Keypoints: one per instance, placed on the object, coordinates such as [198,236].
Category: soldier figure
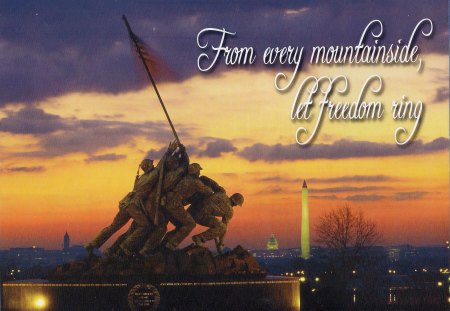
[177,167]
[131,207]
[186,188]
[206,209]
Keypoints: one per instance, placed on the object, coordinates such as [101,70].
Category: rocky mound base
[192,261]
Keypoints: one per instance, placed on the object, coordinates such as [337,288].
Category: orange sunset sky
[68,156]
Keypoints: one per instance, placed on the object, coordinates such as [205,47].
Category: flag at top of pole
[149,64]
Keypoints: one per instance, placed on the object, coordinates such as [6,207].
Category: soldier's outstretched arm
[170,150]
[202,188]
[212,184]
[161,162]
[226,220]
[227,217]
[184,162]
[173,145]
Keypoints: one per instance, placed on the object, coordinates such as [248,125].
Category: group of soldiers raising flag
[160,195]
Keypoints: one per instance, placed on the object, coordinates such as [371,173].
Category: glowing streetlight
[40,302]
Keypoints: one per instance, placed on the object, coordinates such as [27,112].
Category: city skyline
[272,244]
[75,121]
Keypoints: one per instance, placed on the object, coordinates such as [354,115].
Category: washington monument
[305,222]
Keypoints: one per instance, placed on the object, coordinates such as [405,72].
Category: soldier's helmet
[237,199]
[194,169]
[146,165]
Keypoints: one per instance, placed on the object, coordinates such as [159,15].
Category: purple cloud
[277,179]
[59,136]
[338,150]
[346,189]
[365,197]
[354,178]
[25,169]
[216,148]
[324,197]
[272,190]
[399,196]
[409,196]
[31,121]
[105,157]
[441,95]
[48,49]
[340,179]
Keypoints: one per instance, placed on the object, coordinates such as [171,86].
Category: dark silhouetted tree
[349,236]
[347,233]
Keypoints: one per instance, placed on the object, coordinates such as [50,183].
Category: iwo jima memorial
[144,269]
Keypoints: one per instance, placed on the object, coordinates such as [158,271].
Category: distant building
[272,243]
[410,251]
[27,252]
[66,242]
[402,252]
[266,254]
[394,254]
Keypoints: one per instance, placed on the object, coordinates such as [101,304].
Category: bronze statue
[185,188]
[132,207]
[144,242]
[204,210]
[177,167]
[159,197]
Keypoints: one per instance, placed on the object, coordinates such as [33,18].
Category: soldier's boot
[198,240]
[154,239]
[187,224]
[170,246]
[144,253]
[118,254]
[168,237]
[219,246]
[110,252]
[115,247]
[125,251]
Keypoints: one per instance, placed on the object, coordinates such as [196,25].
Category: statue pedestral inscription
[143,297]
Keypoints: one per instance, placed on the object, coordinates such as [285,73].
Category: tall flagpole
[161,173]
[134,39]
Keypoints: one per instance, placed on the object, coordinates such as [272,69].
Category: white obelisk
[305,223]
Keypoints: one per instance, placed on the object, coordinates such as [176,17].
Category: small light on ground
[40,302]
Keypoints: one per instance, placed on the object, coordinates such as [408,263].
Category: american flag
[156,65]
